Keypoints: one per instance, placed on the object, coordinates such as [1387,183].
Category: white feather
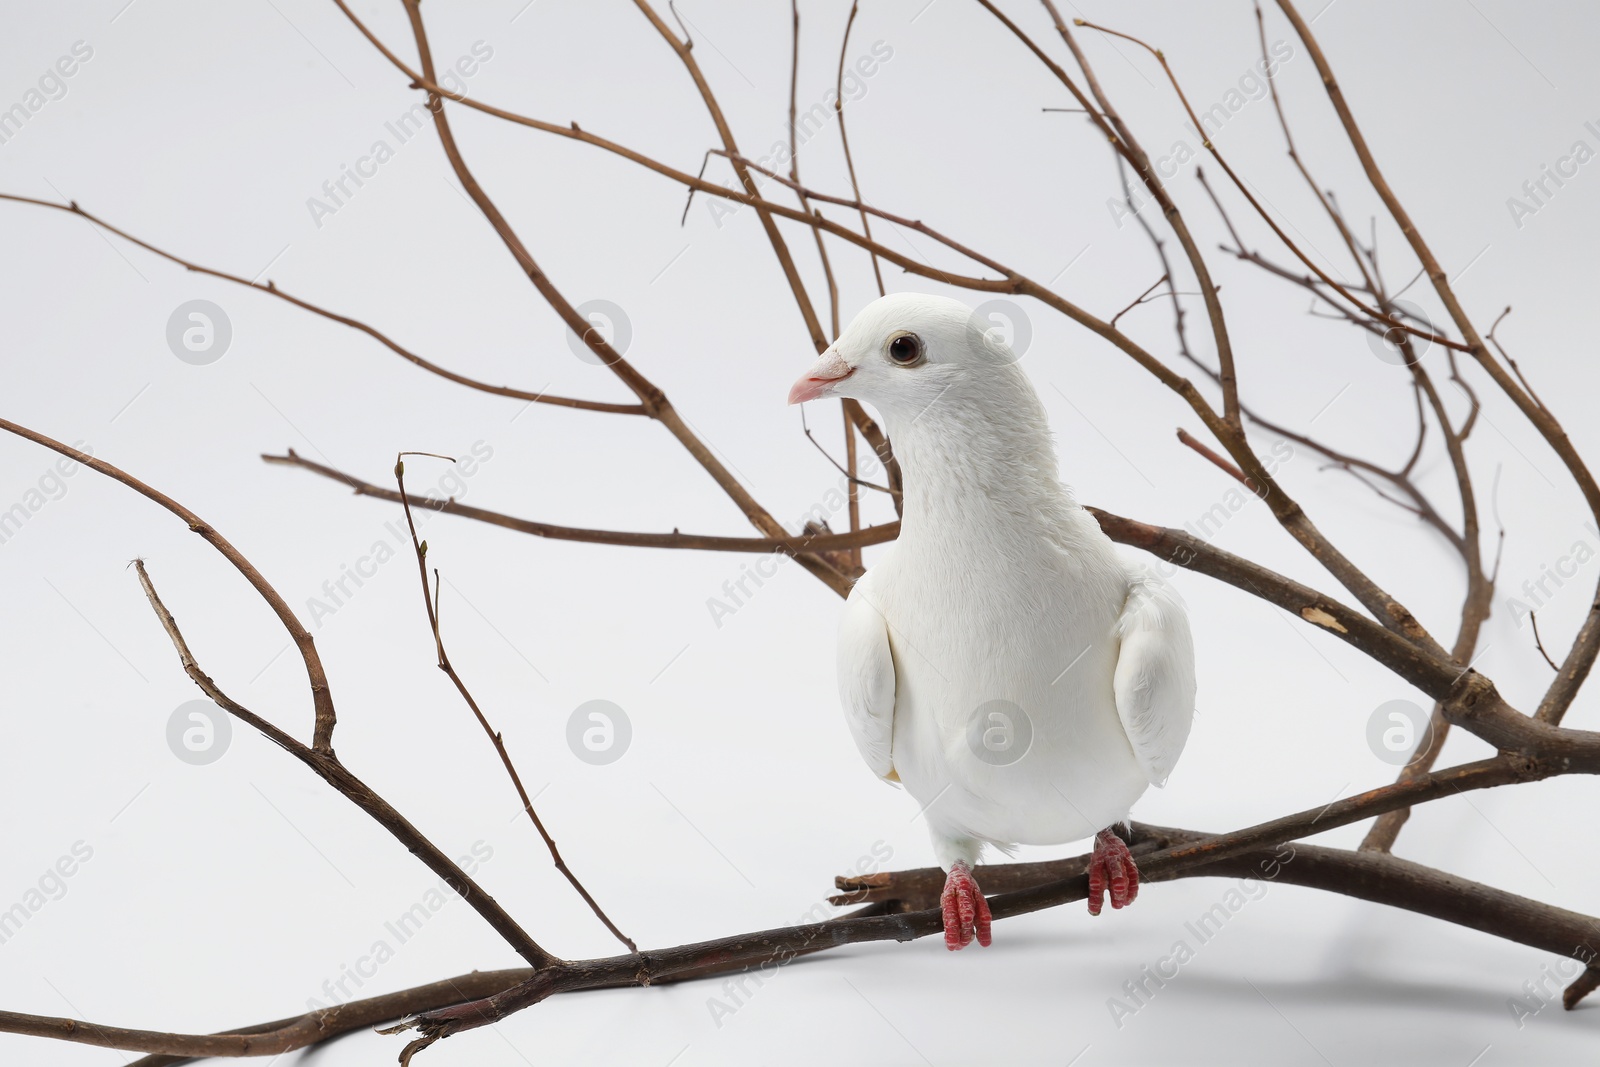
[1155,673]
[866,680]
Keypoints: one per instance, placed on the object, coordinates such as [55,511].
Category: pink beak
[818,381]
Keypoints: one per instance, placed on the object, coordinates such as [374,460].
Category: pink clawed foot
[966,913]
[1111,866]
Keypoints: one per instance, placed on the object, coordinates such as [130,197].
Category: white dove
[1001,660]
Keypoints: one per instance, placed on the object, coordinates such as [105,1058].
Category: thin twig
[1580,659]
[321,698]
[1498,347]
[854,482]
[1222,464]
[780,248]
[653,399]
[1260,210]
[430,603]
[270,288]
[793,545]
[321,760]
[844,142]
[1533,617]
[1139,299]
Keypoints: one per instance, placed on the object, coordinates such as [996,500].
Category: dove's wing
[866,680]
[1154,681]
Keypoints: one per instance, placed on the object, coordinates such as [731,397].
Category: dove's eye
[906,350]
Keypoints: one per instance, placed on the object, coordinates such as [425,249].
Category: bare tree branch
[1580,659]
[271,289]
[321,698]
[320,760]
[430,603]
[792,545]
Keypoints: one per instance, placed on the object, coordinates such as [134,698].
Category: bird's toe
[1111,869]
[966,913]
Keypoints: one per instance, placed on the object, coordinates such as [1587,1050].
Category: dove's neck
[979,479]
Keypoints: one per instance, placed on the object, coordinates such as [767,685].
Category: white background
[227,894]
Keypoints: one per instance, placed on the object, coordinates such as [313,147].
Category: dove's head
[959,410]
[910,355]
